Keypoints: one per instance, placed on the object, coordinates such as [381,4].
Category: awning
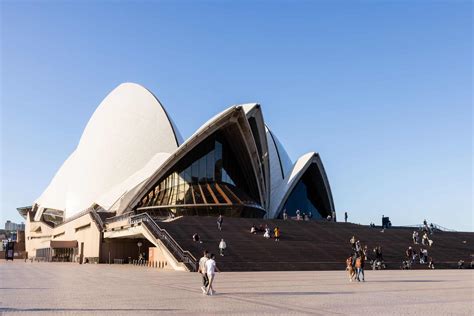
[63,244]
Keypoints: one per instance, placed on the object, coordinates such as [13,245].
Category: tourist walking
[266,234]
[425,240]
[345,217]
[431,263]
[350,268]
[409,253]
[425,255]
[211,270]
[222,247]
[359,264]
[422,256]
[203,271]
[365,252]
[220,220]
[415,237]
[196,238]
[276,232]
[353,241]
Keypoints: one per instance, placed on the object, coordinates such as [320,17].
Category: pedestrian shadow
[13,309]
[24,288]
[284,293]
[406,281]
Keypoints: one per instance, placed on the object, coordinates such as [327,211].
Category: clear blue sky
[382,90]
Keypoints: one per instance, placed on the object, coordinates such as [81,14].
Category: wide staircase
[307,245]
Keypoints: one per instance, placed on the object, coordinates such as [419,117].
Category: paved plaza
[65,288]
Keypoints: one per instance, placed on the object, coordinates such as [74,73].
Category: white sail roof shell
[282,187]
[126,131]
[280,166]
[121,193]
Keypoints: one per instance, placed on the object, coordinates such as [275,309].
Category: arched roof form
[232,115]
[122,193]
[55,194]
[283,191]
[126,131]
[280,165]
[254,114]
[279,158]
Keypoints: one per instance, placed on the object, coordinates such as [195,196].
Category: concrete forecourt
[90,289]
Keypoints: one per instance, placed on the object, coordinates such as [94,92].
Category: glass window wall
[194,179]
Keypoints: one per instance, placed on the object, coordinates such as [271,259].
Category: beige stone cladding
[37,236]
[82,229]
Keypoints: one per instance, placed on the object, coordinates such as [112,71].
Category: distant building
[9,225]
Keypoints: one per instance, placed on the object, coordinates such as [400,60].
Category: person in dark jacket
[220,220]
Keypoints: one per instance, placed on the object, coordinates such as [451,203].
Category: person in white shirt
[415,237]
[222,247]
[211,270]
[267,233]
[253,229]
[203,271]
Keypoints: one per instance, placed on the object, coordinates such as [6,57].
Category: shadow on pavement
[7,309]
[283,293]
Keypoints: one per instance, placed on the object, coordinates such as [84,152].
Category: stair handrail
[185,256]
[435,226]
[118,218]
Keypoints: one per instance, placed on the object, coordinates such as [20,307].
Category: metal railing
[118,218]
[435,226]
[182,255]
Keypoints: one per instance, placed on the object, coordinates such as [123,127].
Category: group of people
[428,229]
[207,263]
[411,255]
[208,268]
[266,231]
[425,240]
[300,216]
[222,243]
[355,264]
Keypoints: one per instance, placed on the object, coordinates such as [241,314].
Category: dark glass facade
[308,196]
[208,180]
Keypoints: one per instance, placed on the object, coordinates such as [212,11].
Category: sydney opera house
[132,165]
